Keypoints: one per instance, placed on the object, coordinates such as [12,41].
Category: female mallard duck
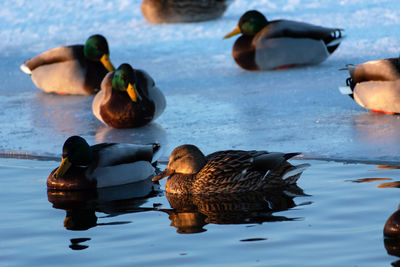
[74,69]
[375,85]
[277,44]
[176,11]
[101,165]
[229,171]
[128,98]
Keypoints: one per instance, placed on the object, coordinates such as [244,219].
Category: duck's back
[176,11]
[229,171]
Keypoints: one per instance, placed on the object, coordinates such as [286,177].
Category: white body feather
[379,89]
[275,48]
[122,174]
[278,52]
[108,173]
[57,70]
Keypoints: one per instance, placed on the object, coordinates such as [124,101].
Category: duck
[178,11]
[280,44]
[85,167]
[189,171]
[73,69]
[375,85]
[128,98]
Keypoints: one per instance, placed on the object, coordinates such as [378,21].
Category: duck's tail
[293,174]
[333,42]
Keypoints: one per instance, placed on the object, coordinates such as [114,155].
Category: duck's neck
[244,53]
[180,183]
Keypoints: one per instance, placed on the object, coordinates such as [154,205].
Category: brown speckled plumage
[176,11]
[230,171]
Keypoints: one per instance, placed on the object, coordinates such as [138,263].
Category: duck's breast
[278,52]
[378,95]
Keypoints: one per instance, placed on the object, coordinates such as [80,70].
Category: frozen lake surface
[211,101]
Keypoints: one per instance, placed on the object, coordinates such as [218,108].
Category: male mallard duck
[128,98]
[375,85]
[74,69]
[176,11]
[229,171]
[266,45]
[101,165]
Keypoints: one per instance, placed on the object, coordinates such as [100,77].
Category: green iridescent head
[124,79]
[96,49]
[252,22]
[76,152]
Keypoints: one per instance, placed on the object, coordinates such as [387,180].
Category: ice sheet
[211,102]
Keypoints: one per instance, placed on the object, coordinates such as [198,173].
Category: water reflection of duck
[81,206]
[230,171]
[190,213]
[176,11]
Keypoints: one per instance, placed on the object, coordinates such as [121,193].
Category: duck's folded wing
[295,29]
[109,154]
[377,70]
[54,55]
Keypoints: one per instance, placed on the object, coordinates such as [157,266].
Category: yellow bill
[236,31]
[133,93]
[64,166]
[105,59]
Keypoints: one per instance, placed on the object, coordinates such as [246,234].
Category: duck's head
[250,23]
[185,159]
[124,79]
[96,49]
[76,152]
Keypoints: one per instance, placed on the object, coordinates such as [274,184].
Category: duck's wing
[54,55]
[296,29]
[236,171]
[148,86]
[111,154]
[118,164]
[377,70]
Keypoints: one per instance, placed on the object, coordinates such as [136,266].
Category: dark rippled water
[338,221]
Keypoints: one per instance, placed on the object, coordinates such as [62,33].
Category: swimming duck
[375,85]
[74,69]
[229,171]
[277,44]
[101,165]
[128,98]
[176,11]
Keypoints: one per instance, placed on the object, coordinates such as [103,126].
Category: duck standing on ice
[277,44]
[74,69]
[128,98]
[375,85]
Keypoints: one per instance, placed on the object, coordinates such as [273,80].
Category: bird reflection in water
[394,184]
[81,206]
[190,213]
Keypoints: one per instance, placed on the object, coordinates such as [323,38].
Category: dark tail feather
[291,155]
